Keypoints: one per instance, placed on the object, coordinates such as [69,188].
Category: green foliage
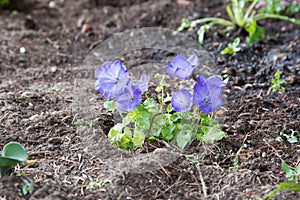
[242,14]
[276,7]
[155,121]
[278,82]
[291,174]
[290,138]
[110,105]
[12,154]
[93,185]
[4,2]
[26,187]
[283,186]
[232,48]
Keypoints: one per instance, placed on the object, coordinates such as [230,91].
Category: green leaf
[185,23]
[184,136]
[169,108]
[16,151]
[255,32]
[201,32]
[283,186]
[286,168]
[110,105]
[12,154]
[168,131]
[138,138]
[213,133]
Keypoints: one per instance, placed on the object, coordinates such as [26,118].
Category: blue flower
[112,78]
[182,67]
[130,98]
[182,101]
[142,83]
[208,93]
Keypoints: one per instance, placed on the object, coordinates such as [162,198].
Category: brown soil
[36,93]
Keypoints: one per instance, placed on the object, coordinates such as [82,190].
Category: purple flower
[297,1]
[208,93]
[112,78]
[130,98]
[182,101]
[261,4]
[142,83]
[182,67]
[285,3]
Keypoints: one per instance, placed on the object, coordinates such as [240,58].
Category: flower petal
[182,101]
[194,60]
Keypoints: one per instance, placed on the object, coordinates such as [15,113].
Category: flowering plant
[178,118]
[279,6]
[243,14]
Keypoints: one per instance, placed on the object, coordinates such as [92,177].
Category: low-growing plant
[232,48]
[12,154]
[4,2]
[26,186]
[93,185]
[178,118]
[287,7]
[292,175]
[244,14]
[278,82]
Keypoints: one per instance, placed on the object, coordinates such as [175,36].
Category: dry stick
[202,182]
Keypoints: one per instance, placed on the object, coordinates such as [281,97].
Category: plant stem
[217,20]
[275,16]
[151,124]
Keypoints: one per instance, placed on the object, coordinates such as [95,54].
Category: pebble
[22,50]
[86,28]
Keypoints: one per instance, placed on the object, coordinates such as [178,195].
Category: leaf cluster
[242,14]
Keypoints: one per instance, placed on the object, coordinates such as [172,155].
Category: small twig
[151,124]
[202,182]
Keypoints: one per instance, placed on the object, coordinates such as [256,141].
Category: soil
[36,95]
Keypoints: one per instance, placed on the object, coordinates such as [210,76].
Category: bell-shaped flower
[112,78]
[182,67]
[142,83]
[182,101]
[208,93]
[130,98]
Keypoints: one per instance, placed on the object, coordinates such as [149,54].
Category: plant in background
[243,14]
[176,119]
[12,154]
[278,82]
[232,48]
[292,175]
[287,7]
[4,2]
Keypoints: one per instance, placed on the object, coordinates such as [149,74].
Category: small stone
[22,50]
[52,4]
[86,28]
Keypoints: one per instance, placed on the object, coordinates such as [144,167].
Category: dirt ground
[36,95]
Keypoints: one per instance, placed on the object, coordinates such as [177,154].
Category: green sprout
[100,183]
[242,14]
[232,48]
[26,187]
[278,82]
[292,175]
[12,154]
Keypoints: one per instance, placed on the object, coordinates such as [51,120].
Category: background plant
[278,82]
[12,154]
[286,7]
[243,14]
[232,48]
